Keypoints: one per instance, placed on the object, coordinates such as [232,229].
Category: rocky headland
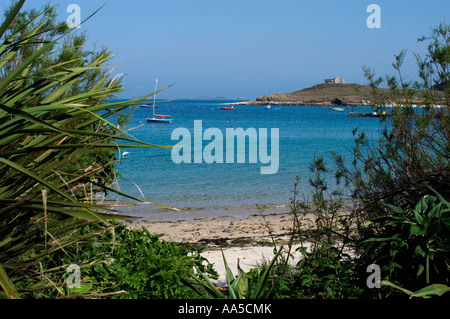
[325,94]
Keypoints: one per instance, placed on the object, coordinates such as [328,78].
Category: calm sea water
[304,132]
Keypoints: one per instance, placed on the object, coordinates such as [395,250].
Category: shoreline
[225,231]
[192,214]
[299,103]
[245,242]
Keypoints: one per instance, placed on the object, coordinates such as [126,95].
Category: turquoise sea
[208,190]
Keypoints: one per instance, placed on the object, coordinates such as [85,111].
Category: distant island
[210,98]
[218,98]
[325,94]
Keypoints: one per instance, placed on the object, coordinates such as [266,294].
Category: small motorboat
[227,107]
[159,120]
[269,107]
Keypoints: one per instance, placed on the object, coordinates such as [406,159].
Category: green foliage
[412,248]
[426,292]
[325,269]
[323,274]
[49,129]
[117,262]
[71,51]
[147,267]
[255,284]
[414,245]
[413,148]
[399,224]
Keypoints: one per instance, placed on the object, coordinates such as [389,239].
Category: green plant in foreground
[252,285]
[120,262]
[413,146]
[325,270]
[128,263]
[147,267]
[426,292]
[414,244]
[46,127]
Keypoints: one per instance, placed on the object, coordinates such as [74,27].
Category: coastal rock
[334,94]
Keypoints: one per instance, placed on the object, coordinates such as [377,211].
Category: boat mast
[154,97]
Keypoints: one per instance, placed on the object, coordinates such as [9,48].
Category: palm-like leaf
[239,287]
[44,130]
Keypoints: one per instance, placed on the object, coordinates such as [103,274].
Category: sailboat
[157,118]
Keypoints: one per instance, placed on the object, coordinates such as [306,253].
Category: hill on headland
[325,94]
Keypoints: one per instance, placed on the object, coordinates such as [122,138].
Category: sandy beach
[222,231]
[248,240]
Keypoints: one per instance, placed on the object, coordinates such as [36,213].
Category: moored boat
[158,118]
[270,107]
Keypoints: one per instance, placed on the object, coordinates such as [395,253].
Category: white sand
[248,240]
[248,258]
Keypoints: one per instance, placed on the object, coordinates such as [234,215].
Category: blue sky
[248,48]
